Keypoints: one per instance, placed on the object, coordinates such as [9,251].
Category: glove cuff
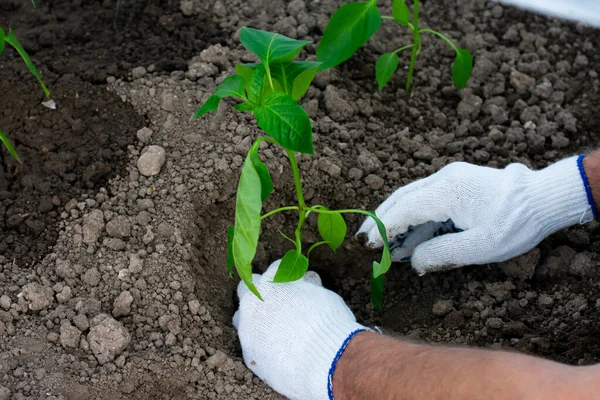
[561,196]
[325,355]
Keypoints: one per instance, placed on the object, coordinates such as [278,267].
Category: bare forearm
[378,367]
[591,165]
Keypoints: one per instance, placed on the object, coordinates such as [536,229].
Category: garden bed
[97,237]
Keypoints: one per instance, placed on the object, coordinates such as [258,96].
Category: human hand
[292,338]
[466,214]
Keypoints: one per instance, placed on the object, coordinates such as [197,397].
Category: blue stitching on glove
[586,185]
[336,359]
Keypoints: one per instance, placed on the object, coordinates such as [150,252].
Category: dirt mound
[139,260]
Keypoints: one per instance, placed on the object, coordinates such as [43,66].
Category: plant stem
[325,211]
[301,205]
[444,38]
[416,43]
[403,48]
[278,210]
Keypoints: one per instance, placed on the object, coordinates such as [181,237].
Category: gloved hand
[292,338]
[492,214]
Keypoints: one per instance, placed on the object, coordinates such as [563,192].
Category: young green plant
[11,39]
[270,89]
[353,24]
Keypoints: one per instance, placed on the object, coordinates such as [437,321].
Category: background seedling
[11,39]
[353,24]
[270,90]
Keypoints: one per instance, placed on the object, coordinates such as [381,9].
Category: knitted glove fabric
[293,338]
[496,214]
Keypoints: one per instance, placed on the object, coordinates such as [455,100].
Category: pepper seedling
[11,39]
[270,90]
[353,24]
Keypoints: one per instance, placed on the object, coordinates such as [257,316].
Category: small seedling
[12,40]
[270,90]
[353,24]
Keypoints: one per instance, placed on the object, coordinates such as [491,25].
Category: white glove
[497,214]
[293,338]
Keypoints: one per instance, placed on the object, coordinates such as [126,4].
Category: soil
[93,252]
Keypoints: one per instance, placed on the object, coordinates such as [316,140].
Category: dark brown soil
[81,158]
[78,147]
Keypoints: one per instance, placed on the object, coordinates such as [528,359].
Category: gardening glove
[465,214]
[293,338]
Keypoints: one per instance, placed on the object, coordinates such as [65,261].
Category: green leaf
[377,291]
[244,107]
[293,266]
[232,86]
[210,105]
[270,47]
[462,67]
[286,121]
[255,85]
[332,228]
[380,268]
[400,12]
[248,205]
[1,41]
[351,26]
[230,233]
[14,42]
[246,70]
[266,184]
[295,76]
[386,66]
[9,146]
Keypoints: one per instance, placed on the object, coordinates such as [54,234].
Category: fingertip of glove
[313,278]
[362,237]
[236,319]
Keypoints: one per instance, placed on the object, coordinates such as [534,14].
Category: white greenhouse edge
[586,11]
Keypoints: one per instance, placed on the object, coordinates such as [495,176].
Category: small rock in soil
[521,82]
[39,296]
[138,72]
[582,265]
[92,276]
[454,320]
[107,338]
[515,329]
[81,322]
[115,244]
[368,162]
[494,323]
[374,182]
[144,134]
[216,360]
[5,302]
[122,304]
[150,163]
[338,108]
[500,290]
[69,335]
[469,107]
[442,307]
[119,227]
[168,102]
[545,300]
[522,267]
[136,264]
[93,224]
[4,393]
[194,306]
